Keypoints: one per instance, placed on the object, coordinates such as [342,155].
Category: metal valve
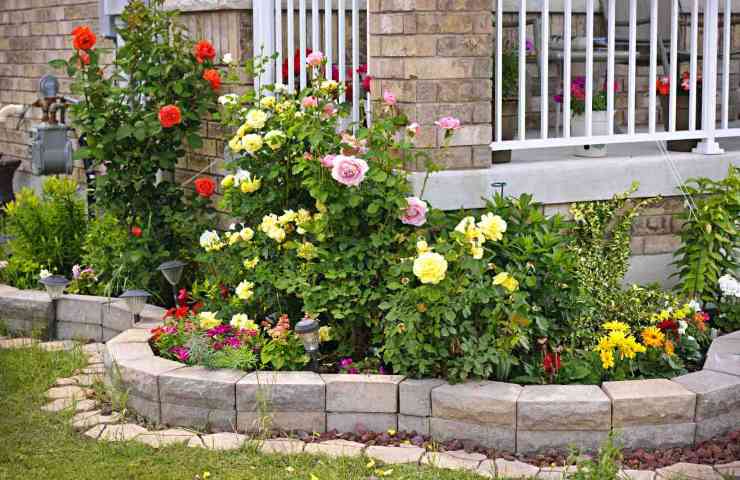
[51,149]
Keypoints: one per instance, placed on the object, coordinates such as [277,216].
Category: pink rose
[448,123]
[310,102]
[328,161]
[329,110]
[349,171]
[415,213]
[389,98]
[315,59]
[414,129]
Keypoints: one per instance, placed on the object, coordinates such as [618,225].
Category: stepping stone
[162,438]
[224,441]
[487,469]
[64,403]
[77,393]
[687,471]
[86,380]
[57,346]
[283,446]
[513,469]
[553,473]
[336,448]
[94,369]
[94,359]
[395,455]
[95,431]
[90,419]
[122,432]
[65,382]
[17,343]
[729,469]
[456,460]
[93,348]
[637,475]
[196,442]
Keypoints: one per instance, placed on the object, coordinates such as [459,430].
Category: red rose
[84,58]
[169,116]
[211,76]
[83,38]
[136,231]
[204,51]
[205,187]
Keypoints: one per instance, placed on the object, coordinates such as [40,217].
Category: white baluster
[499,66]
[291,47]
[632,68]
[709,145]
[544,63]
[589,64]
[328,37]
[341,10]
[355,61]
[279,41]
[302,40]
[567,34]
[726,64]
[674,67]
[611,40]
[652,82]
[522,67]
[693,63]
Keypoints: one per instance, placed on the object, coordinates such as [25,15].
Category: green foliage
[709,236]
[284,353]
[602,246]
[47,232]
[605,466]
[235,358]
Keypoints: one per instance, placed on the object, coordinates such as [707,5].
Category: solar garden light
[135,302]
[308,331]
[55,285]
[172,271]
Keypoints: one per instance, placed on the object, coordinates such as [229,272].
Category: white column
[709,145]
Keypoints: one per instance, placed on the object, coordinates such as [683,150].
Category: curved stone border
[508,417]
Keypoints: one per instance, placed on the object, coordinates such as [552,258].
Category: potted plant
[510,99]
[599,116]
[663,86]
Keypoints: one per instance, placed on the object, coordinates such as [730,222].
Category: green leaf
[58,63]
[195,141]
[124,131]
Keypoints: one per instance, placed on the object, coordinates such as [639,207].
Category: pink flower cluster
[349,171]
[415,213]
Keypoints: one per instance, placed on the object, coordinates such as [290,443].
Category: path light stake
[135,301]
[172,271]
[308,330]
[500,186]
[55,285]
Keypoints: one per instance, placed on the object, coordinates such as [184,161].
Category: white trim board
[569,180]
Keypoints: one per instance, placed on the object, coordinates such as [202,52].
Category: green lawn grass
[39,445]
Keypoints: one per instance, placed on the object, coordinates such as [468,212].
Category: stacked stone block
[355,402]
[717,401]
[415,404]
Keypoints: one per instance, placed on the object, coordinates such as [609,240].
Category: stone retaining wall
[646,413]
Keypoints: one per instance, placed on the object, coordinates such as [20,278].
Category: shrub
[710,236]
[47,231]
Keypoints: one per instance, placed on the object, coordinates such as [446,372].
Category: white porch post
[263,14]
[709,145]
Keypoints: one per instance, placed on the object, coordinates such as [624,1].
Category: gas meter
[51,148]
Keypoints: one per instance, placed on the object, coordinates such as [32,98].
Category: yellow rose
[235,144]
[464,224]
[252,142]
[242,130]
[228,181]
[422,247]
[208,320]
[274,139]
[250,264]
[241,321]
[507,281]
[492,226]
[246,234]
[324,334]
[268,222]
[430,267]
[476,251]
[277,234]
[250,185]
[244,290]
[329,86]
[303,216]
[287,217]
[267,102]
[307,251]
[255,119]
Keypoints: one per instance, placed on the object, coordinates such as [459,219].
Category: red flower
[551,363]
[205,187]
[83,38]
[204,51]
[663,86]
[84,57]
[666,325]
[211,76]
[182,296]
[169,116]
[366,83]
[296,63]
[136,231]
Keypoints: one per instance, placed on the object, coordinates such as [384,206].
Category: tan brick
[426,91]
[468,135]
[386,67]
[404,90]
[445,22]
[386,23]
[465,45]
[440,68]
[397,5]
[466,5]
[661,244]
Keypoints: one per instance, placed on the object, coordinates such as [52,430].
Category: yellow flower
[250,185]
[607,359]
[604,344]
[274,139]
[269,222]
[208,320]
[242,321]
[329,86]
[670,349]
[228,181]
[493,226]
[324,334]
[616,327]
[252,142]
[682,312]
[267,102]
[242,130]
[476,251]
[245,290]
[283,106]
[250,264]
[507,281]
[277,234]
[653,337]
[629,347]
[287,217]
[233,237]
[303,216]
[422,247]
[255,119]
[235,144]
[307,251]
[430,267]
[320,206]
[246,234]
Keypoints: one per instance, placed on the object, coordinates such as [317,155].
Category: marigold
[653,337]
[616,326]
[607,359]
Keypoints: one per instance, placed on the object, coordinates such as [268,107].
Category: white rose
[228,58]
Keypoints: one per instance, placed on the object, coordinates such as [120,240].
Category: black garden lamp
[55,285]
[308,331]
[172,271]
[135,301]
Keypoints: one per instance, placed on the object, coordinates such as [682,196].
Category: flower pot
[682,120]
[599,127]
[509,110]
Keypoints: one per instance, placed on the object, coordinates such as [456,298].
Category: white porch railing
[275,33]
[707,133]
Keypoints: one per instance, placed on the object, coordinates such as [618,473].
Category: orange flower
[83,38]
[169,116]
[204,51]
[669,348]
[205,187]
[663,86]
[212,76]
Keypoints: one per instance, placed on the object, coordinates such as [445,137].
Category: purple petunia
[345,362]
[219,330]
[181,353]
[233,342]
